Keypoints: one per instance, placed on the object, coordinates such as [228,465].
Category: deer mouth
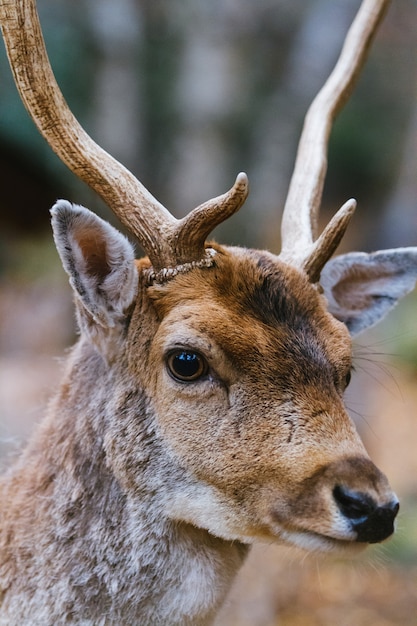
[317,542]
[344,504]
[352,531]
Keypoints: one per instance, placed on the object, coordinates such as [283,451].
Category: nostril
[371,522]
[354,505]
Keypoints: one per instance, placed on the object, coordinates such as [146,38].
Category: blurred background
[186,93]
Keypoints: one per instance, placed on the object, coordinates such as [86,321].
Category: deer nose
[371,522]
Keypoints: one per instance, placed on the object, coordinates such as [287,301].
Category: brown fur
[136,499]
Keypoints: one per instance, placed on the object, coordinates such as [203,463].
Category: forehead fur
[249,282]
[248,293]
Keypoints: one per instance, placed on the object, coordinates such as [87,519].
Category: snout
[363,502]
[372,522]
[345,502]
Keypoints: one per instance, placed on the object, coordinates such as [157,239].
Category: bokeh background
[186,93]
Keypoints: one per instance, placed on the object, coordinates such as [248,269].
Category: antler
[166,240]
[299,221]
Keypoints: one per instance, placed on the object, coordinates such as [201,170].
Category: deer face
[248,373]
[228,383]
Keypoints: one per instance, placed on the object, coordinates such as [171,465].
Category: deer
[201,409]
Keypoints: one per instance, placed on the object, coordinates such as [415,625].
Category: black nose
[371,522]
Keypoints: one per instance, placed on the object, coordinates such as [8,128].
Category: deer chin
[334,532]
[219,520]
[315,542]
[309,541]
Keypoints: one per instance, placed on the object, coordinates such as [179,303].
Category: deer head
[240,357]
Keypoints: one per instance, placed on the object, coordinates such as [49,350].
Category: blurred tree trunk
[207,96]
[116,29]
[314,51]
[222,76]
[398,223]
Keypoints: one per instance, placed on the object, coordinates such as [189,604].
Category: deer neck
[123,528]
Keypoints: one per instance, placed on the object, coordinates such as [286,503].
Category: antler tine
[197,225]
[165,239]
[328,241]
[126,196]
[299,221]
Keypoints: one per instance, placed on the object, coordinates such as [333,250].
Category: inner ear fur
[362,288]
[99,261]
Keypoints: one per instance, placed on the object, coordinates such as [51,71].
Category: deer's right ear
[362,288]
[99,261]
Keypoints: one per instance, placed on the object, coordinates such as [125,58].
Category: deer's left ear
[99,261]
[361,288]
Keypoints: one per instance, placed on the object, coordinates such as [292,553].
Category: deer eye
[186,365]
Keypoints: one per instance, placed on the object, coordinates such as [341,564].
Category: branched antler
[299,221]
[166,240]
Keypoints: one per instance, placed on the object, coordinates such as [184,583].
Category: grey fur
[362,288]
[101,521]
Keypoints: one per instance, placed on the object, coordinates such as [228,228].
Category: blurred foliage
[26,259]
[399,327]
[403,547]
[73,64]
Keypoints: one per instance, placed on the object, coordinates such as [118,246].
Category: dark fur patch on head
[272,297]
[265,315]
[280,298]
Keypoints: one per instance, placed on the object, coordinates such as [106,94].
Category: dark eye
[186,365]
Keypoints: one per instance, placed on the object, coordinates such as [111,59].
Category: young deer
[202,406]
